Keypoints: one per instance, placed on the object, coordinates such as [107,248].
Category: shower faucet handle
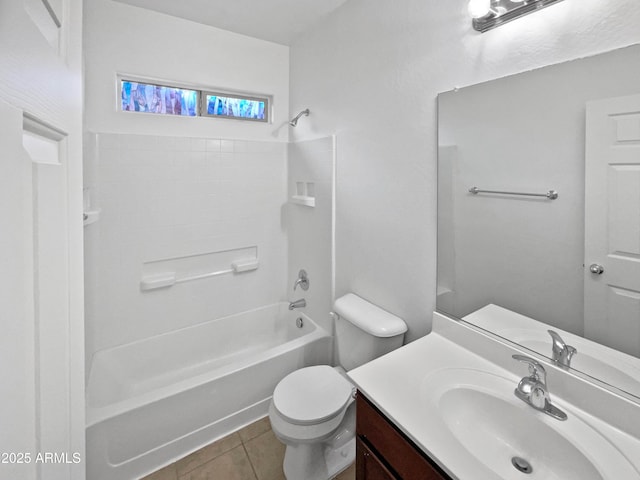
[303,281]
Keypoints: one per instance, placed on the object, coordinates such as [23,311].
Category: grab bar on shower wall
[551,194]
[167,272]
[168,279]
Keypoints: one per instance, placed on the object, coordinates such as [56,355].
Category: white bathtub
[153,401]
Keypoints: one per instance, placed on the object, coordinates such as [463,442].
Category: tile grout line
[223,452]
[242,442]
[253,469]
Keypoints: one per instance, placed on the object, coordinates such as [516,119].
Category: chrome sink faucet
[560,351]
[533,389]
[298,304]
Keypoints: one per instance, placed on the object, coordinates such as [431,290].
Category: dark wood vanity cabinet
[384,453]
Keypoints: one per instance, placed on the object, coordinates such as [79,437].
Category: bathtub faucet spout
[298,304]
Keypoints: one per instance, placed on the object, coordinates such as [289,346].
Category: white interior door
[41,342]
[612,223]
[17,355]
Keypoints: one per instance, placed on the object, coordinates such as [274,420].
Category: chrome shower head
[294,120]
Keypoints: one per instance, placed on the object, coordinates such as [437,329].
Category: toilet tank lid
[369,317]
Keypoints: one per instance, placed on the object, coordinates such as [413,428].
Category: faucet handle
[302,280]
[533,389]
[536,370]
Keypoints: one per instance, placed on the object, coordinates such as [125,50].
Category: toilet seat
[312,395]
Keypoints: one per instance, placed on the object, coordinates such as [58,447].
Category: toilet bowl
[312,410]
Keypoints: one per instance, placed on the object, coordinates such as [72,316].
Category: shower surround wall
[172,186]
[310,233]
[170,197]
[165,197]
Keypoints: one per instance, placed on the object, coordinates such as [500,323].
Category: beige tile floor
[252,453]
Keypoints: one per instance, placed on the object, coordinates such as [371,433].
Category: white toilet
[313,410]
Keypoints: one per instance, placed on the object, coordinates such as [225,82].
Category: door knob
[597,269]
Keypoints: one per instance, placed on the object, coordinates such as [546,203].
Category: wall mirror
[519,265]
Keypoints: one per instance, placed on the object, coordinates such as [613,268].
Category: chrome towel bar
[551,194]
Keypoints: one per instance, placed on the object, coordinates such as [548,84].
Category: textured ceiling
[277,21]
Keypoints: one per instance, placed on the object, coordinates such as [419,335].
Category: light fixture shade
[479,8]
[502,11]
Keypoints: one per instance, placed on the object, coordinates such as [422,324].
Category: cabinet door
[377,433]
[369,466]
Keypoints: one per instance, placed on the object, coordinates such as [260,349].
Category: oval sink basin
[512,439]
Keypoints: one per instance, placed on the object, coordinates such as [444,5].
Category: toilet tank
[364,331]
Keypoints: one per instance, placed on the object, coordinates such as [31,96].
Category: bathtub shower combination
[153,401]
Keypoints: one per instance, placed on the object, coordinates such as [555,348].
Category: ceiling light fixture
[488,14]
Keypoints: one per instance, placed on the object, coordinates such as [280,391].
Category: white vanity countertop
[400,384]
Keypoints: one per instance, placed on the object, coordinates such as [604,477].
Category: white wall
[371,73]
[123,39]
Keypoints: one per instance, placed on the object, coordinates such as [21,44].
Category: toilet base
[340,459]
[312,461]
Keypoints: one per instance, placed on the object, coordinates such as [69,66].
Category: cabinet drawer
[404,458]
